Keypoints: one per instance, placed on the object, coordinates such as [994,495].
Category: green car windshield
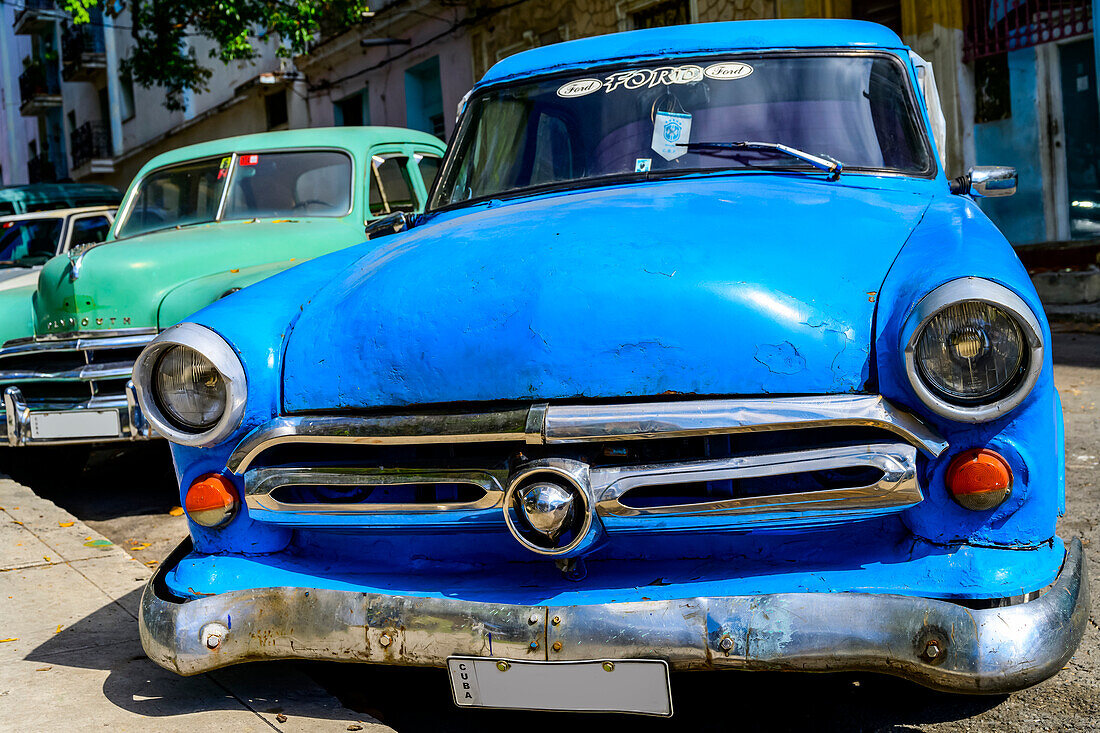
[29,242]
[246,186]
[644,120]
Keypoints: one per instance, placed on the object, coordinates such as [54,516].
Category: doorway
[1081,135]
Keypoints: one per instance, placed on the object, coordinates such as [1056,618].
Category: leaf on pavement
[176,511]
[64,524]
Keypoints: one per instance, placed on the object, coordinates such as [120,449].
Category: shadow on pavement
[107,483]
[410,700]
[107,640]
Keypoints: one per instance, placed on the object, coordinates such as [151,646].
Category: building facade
[91,123]
[1017,81]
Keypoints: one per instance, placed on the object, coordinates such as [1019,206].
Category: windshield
[29,242]
[640,120]
[262,186]
[177,196]
[272,185]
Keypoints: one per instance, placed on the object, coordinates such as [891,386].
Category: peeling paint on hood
[744,284]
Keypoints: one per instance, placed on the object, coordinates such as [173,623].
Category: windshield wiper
[831,166]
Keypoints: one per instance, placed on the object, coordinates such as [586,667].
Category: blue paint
[874,557]
[954,239]
[721,284]
[692,40]
[774,306]
[1015,141]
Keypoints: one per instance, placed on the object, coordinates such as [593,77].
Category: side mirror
[986,181]
[393,223]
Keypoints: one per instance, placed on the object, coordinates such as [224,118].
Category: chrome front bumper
[17,418]
[938,644]
[102,357]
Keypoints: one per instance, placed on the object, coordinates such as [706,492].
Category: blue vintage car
[696,360]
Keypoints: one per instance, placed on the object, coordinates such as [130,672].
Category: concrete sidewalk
[70,655]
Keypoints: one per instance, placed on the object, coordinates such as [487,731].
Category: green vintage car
[196,224]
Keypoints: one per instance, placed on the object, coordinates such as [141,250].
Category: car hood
[121,283]
[727,285]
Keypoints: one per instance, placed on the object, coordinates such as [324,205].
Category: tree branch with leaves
[163,53]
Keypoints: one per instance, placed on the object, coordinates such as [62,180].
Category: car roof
[351,138]
[45,192]
[56,213]
[693,40]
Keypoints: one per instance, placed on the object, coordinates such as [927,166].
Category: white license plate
[609,686]
[77,424]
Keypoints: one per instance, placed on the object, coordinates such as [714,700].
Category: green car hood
[122,283]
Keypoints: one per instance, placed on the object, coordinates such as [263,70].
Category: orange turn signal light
[979,479]
[211,500]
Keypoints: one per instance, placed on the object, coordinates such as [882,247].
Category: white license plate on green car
[77,424]
[608,686]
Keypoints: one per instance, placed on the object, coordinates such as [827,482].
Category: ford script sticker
[727,70]
[649,78]
[579,88]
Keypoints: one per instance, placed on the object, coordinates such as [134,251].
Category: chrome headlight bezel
[214,348]
[979,290]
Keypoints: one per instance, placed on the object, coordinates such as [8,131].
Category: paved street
[90,671]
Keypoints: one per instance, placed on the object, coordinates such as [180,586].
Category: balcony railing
[998,26]
[36,16]
[83,54]
[39,87]
[91,141]
[41,169]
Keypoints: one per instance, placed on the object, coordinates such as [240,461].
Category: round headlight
[971,352]
[188,389]
[973,349]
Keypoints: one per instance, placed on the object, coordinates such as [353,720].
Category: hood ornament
[76,258]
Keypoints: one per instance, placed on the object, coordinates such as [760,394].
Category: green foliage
[166,32]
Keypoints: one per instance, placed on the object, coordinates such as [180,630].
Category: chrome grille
[74,369]
[689,467]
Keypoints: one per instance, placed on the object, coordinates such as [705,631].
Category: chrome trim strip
[554,424]
[896,489]
[571,424]
[79,341]
[489,427]
[87,373]
[993,650]
[261,482]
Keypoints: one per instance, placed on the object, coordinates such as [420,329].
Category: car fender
[197,293]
